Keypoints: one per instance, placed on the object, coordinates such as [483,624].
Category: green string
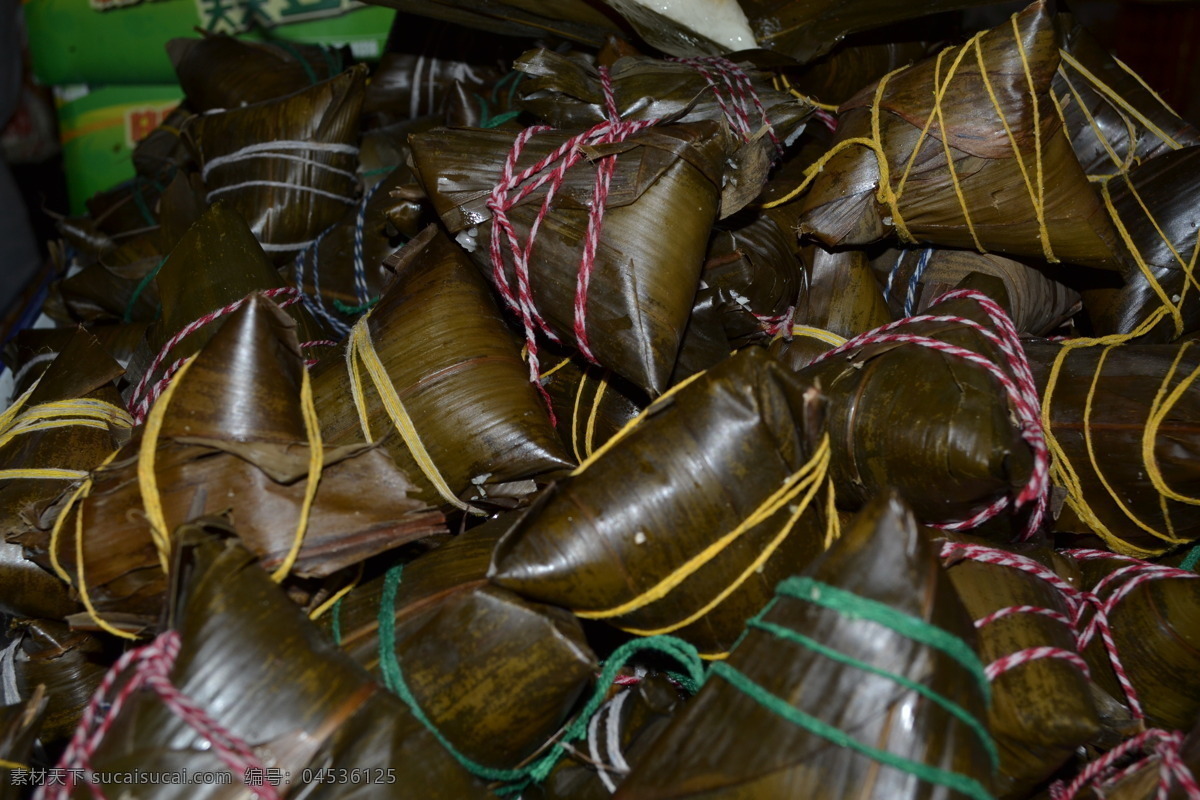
[853,606]
[350,310]
[926,772]
[966,717]
[137,290]
[1191,559]
[535,772]
[140,201]
[373,172]
[486,120]
[335,621]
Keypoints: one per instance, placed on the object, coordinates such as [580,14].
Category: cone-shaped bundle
[841,300]
[755,117]
[684,521]
[963,150]
[1153,206]
[216,264]
[1122,420]
[933,424]
[858,680]
[1042,709]
[213,70]
[629,299]
[440,380]
[235,633]
[286,165]
[1154,616]
[67,424]
[916,277]
[1165,764]
[1115,120]
[234,436]
[497,675]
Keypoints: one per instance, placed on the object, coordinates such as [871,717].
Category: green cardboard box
[111,42]
[99,128]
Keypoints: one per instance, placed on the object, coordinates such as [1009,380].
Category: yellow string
[361,349]
[81,580]
[1096,129]
[1115,96]
[1168,307]
[590,437]
[1145,85]
[579,456]
[11,412]
[6,764]
[316,461]
[889,196]
[1159,410]
[807,480]
[633,423]
[83,412]
[42,474]
[339,594]
[552,370]
[1064,474]
[820,334]
[147,479]
[787,86]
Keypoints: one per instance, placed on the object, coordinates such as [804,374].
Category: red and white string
[1017,383]
[734,93]
[550,172]
[151,665]
[144,394]
[1100,601]
[1156,744]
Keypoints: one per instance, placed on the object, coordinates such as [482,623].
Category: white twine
[10,693]
[271,150]
[282,185]
[612,740]
[24,370]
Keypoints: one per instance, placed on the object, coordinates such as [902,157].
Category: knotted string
[889,195]
[550,172]
[1156,744]
[144,394]
[855,607]
[151,666]
[734,93]
[1019,388]
[1116,585]
[1065,473]
[537,771]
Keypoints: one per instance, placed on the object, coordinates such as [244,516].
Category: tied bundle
[683,522]
[963,150]
[1120,423]
[756,118]
[495,675]
[286,165]
[875,614]
[244,430]
[433,373]
[604,275]
[965,453]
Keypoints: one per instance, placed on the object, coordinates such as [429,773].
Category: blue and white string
[914,280]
